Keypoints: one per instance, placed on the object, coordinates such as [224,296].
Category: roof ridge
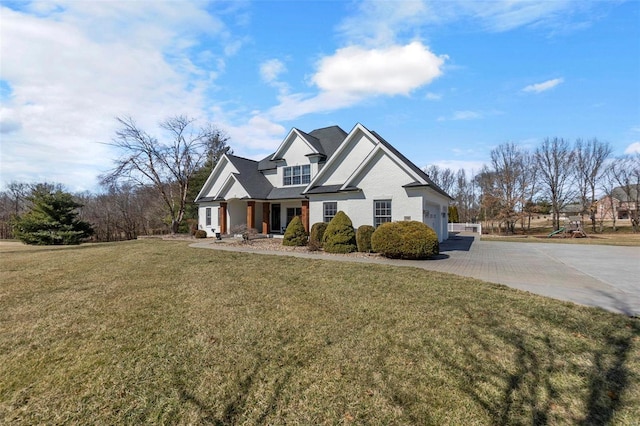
[242,158]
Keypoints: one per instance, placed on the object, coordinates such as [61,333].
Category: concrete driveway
[592,275]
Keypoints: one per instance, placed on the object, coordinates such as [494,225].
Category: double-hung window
[297,175]
[381,212]
[330,209]
[208,216]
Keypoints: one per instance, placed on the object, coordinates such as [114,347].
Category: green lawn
[157,332]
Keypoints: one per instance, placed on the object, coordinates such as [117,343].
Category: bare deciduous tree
[490,202]
[606,205]
[168,167]
[464,197]
[529,185]
[590,158]
[625,171]
[509,167]
[555,162]
[445,178]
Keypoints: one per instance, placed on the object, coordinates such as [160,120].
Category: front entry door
[275,218]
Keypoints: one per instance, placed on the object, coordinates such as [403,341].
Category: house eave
[332,189]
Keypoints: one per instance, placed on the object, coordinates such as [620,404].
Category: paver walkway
[593,275]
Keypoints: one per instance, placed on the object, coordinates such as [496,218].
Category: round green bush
[363,238]
[405,240]
[200,233]
[317,232]
[295,235]
[339,237]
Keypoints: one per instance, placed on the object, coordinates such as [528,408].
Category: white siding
[295,154]
[202,218]
[272,177]
[353,155]
[383,179]
[234,191]
[225,169]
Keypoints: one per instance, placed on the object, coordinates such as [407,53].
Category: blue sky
[444,82]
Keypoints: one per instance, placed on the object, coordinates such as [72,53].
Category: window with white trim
[381,212]
[208,216]
[330,208]
[296,175]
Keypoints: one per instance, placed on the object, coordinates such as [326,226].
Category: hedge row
[405,240]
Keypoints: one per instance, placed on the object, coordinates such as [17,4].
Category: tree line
[150,190]
[519,184]
[153,182]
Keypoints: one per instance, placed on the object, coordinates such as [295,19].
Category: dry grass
[156,332]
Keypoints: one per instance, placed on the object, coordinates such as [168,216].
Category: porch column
[222,217]
[251,214]
[305,214]
[265,218]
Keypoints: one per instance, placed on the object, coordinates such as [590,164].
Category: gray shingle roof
[313,141]
[412,166]
[324,189]
[625,194]
[330,138]
[325,141]
[288,193]
[250,177]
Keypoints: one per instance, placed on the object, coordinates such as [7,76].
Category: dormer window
[296,175]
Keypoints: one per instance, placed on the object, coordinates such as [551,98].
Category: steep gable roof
[250,177]
[412,166]
[311,142]
[323,141]
[330,138]
[421,178]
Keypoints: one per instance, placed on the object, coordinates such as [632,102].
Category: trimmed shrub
[405,240]
[200,233]
[363,238]
[295,235]
[316,234]
[339,237]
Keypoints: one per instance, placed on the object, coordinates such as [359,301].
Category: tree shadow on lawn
[620,303]
[517,375]
[532,379]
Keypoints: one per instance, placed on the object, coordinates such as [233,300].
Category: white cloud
[544,86]
[270,70]
[354,73]
[633,148]
[379,22]
[395,70]
[507,15]
[74,66]
[385,21]
[258,134]
[433,96]
[462,115]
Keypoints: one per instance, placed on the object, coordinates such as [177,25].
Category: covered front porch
[266,217]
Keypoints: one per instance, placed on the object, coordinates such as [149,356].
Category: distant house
[622,204]
[314,175]
[572,209]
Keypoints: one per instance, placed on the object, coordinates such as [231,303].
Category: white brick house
[315,175]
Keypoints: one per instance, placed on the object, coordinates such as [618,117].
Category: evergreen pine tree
[52,219]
